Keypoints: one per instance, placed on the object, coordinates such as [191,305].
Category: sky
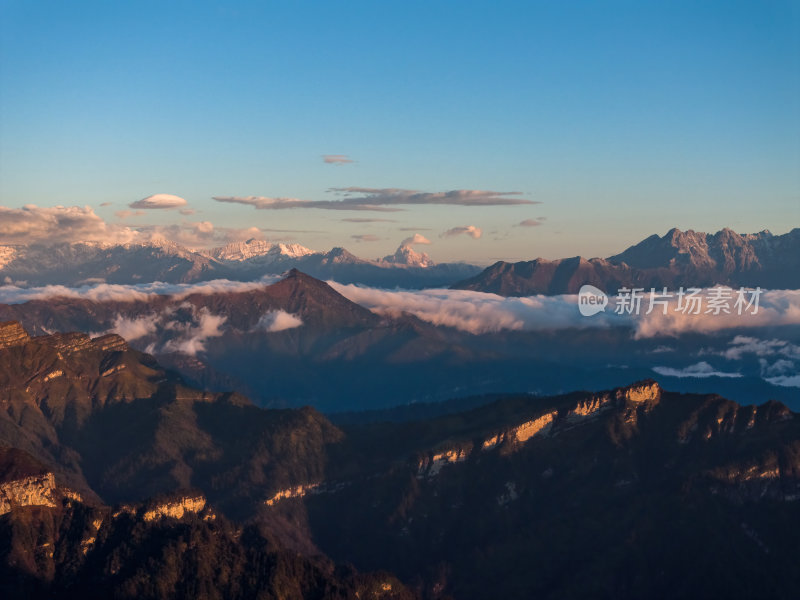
[494,130]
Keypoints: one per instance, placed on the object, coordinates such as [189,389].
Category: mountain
[407,256]
[260,250]
[618,494]
[291,343]
[159,260]
[117,466]
[116,476]
[299,342]
[86,263]
[688,259]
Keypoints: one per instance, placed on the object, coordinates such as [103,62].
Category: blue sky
[622,119]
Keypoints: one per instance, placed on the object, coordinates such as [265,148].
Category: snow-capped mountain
[258,249]
[406,256]
[81,263]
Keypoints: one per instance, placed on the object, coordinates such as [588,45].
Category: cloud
[278,320]
[784,380]
[33,224]
[365,237]
[59,224]
[776,308]
[383,199]
[159,201]
[470,230]
[475,312]
[741,345]
[699,370]
[531,222]
[104,204]
[363,220]
[10,294]
[417,238]
[478,312]
[337,159]
[200,234]
[193,335]
[782,372]
[133,329]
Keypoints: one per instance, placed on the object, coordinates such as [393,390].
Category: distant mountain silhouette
[688,259]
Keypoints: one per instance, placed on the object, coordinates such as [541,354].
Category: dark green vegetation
[118,480]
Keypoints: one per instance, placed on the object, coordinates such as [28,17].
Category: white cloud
[470,230]
[741,345]
[700,370]
[475,312]
[133,329]
[278,320]
[417,238]
[159,201]
[194,335]
[10,294]
[33,224]
[776,307]
[784,380]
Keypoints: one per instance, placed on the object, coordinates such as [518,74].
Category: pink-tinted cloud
[33,224]
[470,230]
[159,201]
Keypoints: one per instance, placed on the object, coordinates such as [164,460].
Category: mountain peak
[408,257]
[258,249]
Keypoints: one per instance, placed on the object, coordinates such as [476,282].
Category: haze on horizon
[503,131]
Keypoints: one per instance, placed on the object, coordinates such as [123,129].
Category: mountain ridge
[688,259]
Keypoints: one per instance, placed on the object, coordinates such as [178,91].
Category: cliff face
[116,427]
[12,334]
[520,485]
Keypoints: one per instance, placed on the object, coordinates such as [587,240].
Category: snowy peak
[406,256]
[251,249]
[341,256]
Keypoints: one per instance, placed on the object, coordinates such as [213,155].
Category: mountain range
[688,259]
[159,260]
[117,479]
[679,258]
